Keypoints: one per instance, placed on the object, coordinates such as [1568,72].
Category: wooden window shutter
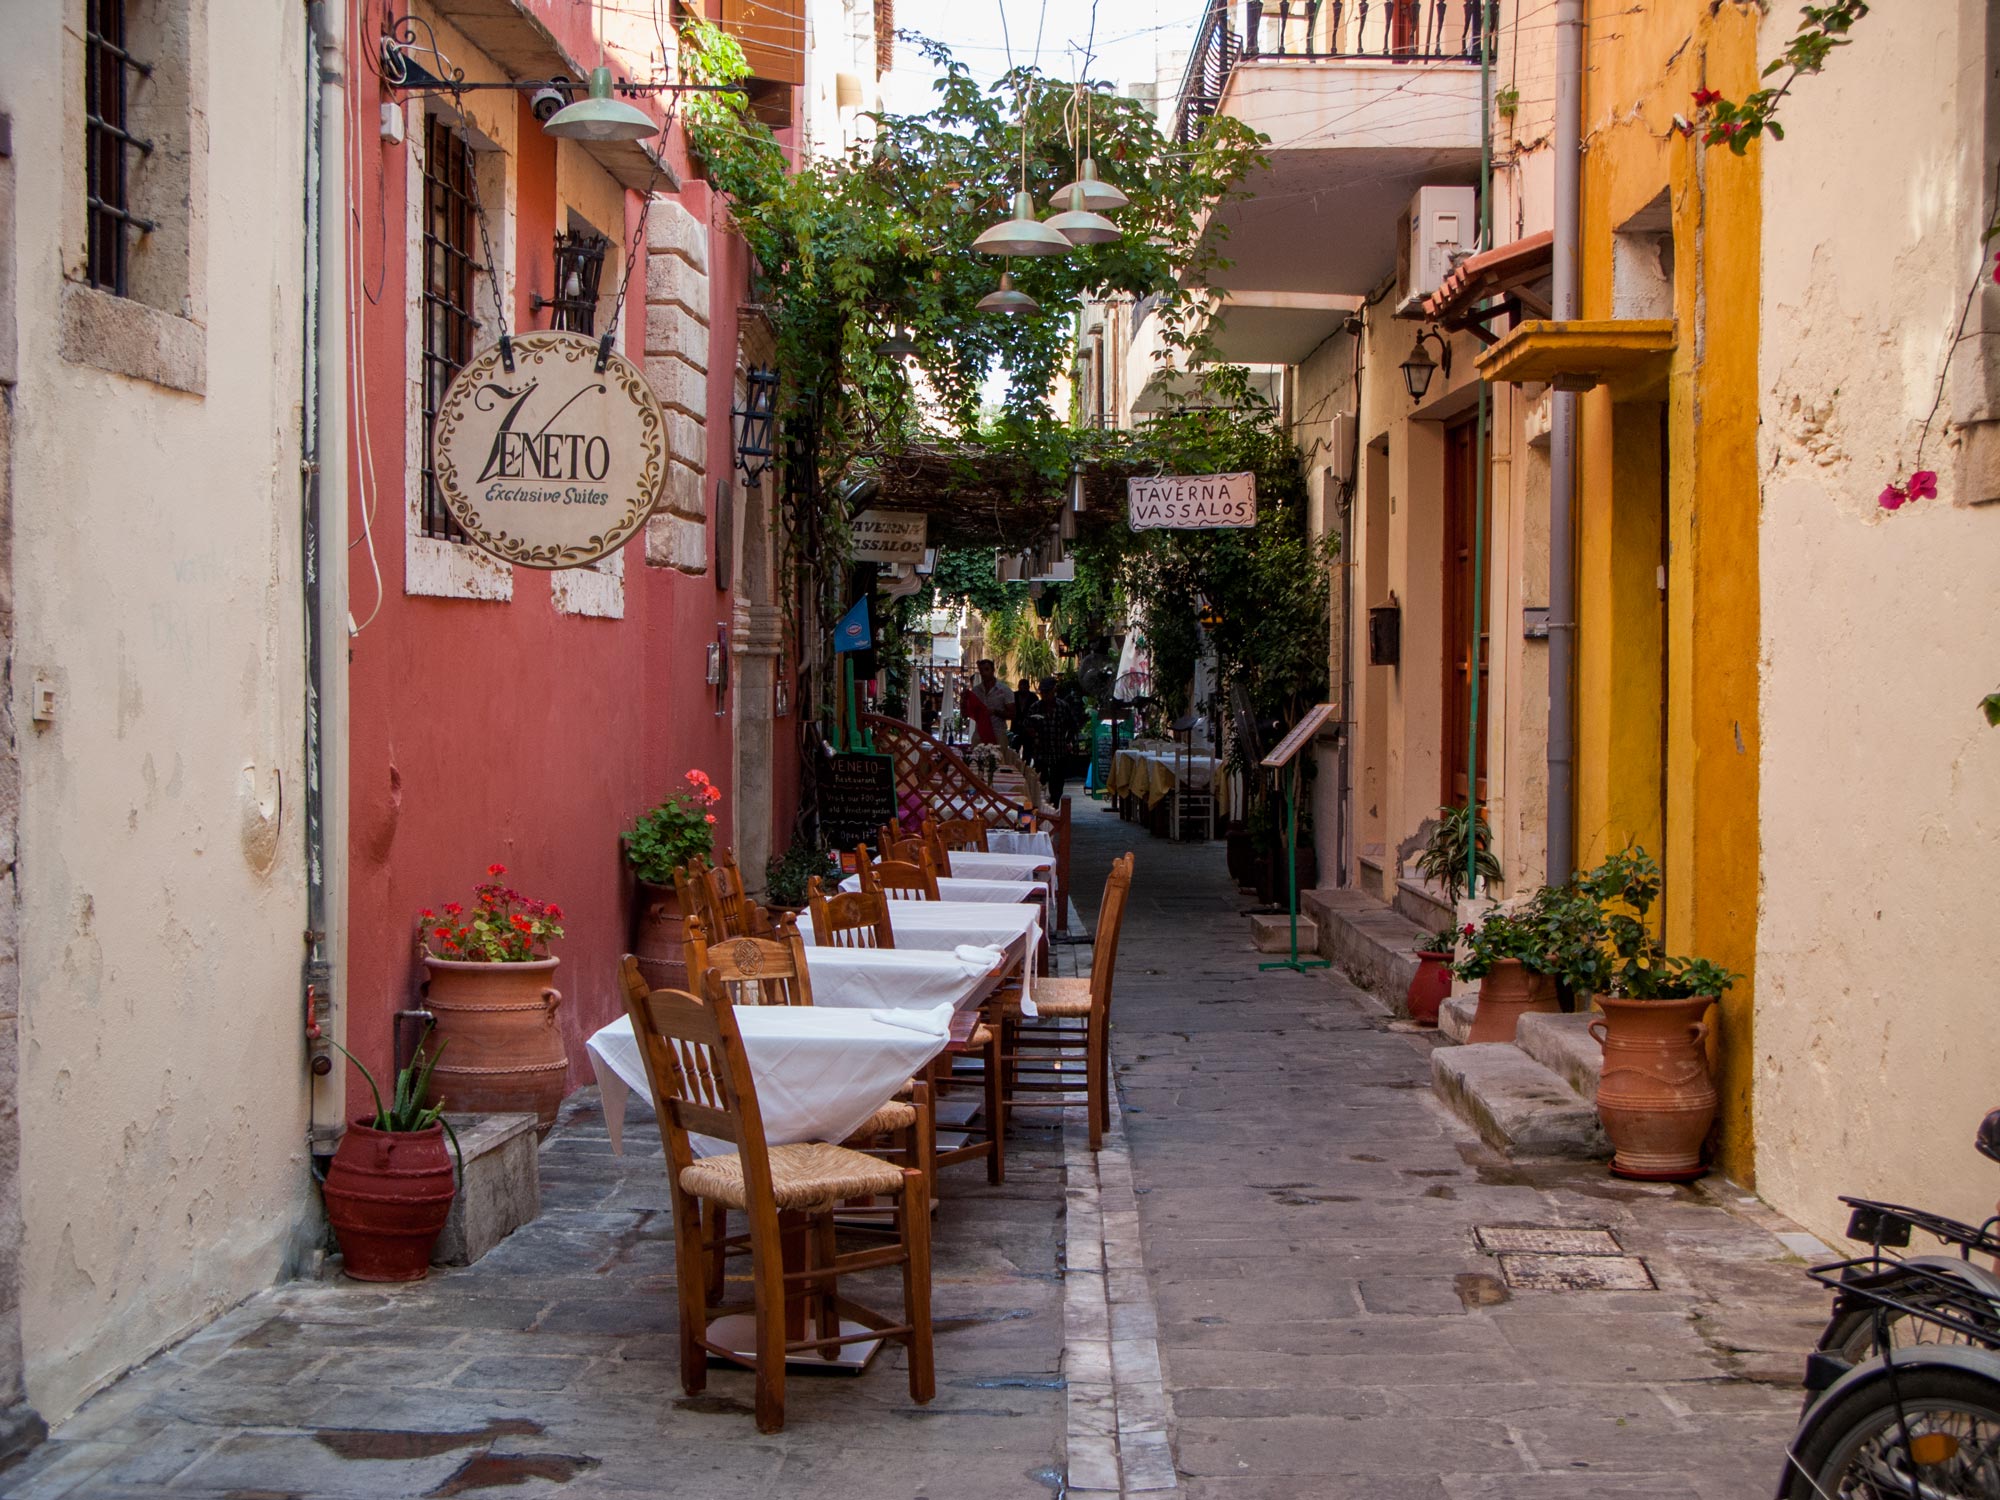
[772,34]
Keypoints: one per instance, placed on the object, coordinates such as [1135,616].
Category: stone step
[1564,1045]
[500,1186]
[1368,940]
[1271,933]
[1517,1105]
[1455,1016]
[1421,906]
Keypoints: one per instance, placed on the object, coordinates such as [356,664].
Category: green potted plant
[1509,953]
[659,842]
[489,983]
[786,875]
[1654,1093]
[1443,861]
[391,1185]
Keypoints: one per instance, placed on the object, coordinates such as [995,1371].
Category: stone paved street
[1328,1324]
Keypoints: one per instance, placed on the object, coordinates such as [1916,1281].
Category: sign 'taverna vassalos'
[1192,502]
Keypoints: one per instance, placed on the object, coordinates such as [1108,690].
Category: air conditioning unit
[1444,225]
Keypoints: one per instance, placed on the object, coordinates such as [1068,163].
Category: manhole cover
[1576,1273]
[1496,1238]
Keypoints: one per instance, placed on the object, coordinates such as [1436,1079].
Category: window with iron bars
[108,146]
[579,269]
[450,283]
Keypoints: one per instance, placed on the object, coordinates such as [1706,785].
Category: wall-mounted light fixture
[579,268]
[754,419]
[1419,367]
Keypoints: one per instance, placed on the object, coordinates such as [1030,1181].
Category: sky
[1128,39]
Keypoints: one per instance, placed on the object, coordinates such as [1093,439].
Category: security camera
[549,98]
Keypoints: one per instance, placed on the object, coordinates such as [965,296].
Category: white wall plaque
[556,464]
[1192,502]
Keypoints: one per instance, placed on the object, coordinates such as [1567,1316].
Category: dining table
[819,1070]
[978,864]
[1150,774]
[1012,926]
[1019,841]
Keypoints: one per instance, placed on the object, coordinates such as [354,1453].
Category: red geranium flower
[496,869]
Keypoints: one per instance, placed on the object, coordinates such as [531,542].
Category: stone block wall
[677,369]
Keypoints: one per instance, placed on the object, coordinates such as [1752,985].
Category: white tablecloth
[972,864]
[819,1072]
[1015,927]
[1010,841]
[962,888]
[900,978]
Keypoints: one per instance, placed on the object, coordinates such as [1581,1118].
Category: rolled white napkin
[983,957]
[933,1022]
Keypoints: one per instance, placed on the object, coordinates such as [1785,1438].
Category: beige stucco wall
[162,1097]
[1876,1007]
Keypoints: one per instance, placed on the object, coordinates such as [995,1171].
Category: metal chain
[486,247]
[638,246]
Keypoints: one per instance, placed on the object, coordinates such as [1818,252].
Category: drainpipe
[1562,451]
[325,573]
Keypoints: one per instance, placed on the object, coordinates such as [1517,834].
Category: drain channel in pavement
[1494,1238]
[1576,1273]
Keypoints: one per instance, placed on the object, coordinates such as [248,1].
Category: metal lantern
[1079,225]
[898,343]
[1022,233]
[1007,300]
[600,117]
[1419,367]
[1098,196]
[1079,502]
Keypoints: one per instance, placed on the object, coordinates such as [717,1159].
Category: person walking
[998,701]
[1051,732]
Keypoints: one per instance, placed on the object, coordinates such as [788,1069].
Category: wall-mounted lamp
[579,268]
[754,419]
[1419,367]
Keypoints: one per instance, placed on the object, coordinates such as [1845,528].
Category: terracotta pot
[1510,991]
[657,929]
[502,1050]
[1429,989]
[387,1195]
[1655,1096]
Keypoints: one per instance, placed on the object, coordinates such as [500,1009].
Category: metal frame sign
[556,464]
[1192,502]
[889,536]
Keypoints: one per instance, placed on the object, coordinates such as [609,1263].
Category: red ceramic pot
[1430,988]
[387,1195]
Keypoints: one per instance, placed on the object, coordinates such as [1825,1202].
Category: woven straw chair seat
[810,1177]
[981,1035]
[1062,997]
[895,1115]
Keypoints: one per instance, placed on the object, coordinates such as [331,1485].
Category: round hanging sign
[556,464]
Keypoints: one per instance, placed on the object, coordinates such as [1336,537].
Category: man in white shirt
[999,701]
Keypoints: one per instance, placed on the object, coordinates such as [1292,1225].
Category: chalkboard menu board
[857,795]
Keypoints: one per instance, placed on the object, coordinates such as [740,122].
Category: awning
[1504,271]
[1577,354]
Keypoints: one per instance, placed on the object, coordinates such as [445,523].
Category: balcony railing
[1400,31]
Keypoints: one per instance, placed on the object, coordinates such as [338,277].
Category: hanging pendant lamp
[1098,196]
[898,343]
[600,117]
[1008,300]
[1079,225]
[1022,233]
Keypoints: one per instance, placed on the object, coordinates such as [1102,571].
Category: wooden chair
[849,919]
[962,834]
[731,910]
[701,1085]
[900,879]
[752,970]
[1034,1052]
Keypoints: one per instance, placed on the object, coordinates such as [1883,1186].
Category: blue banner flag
[852,633]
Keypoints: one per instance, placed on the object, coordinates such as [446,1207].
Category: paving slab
[1329,1324]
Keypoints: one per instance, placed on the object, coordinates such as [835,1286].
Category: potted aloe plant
[659,842]
[1459,838]
[490,985]
[1654,1093]
[390,1187]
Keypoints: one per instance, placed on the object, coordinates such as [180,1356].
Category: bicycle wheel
[1856,1450]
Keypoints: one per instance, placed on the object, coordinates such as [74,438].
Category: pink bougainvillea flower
[1996,267]
[1705,97]
[1892,497]
[1923,485]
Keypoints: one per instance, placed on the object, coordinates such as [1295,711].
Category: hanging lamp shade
[1007,300]
[600,117]
[1022,233]
[1079,225]
[897,343]
[1098,196]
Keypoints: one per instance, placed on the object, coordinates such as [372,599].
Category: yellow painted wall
[1634,87]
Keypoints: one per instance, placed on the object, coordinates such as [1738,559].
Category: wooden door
[1461,494]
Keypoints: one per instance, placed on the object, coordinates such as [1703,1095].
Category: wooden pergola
[979,497]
